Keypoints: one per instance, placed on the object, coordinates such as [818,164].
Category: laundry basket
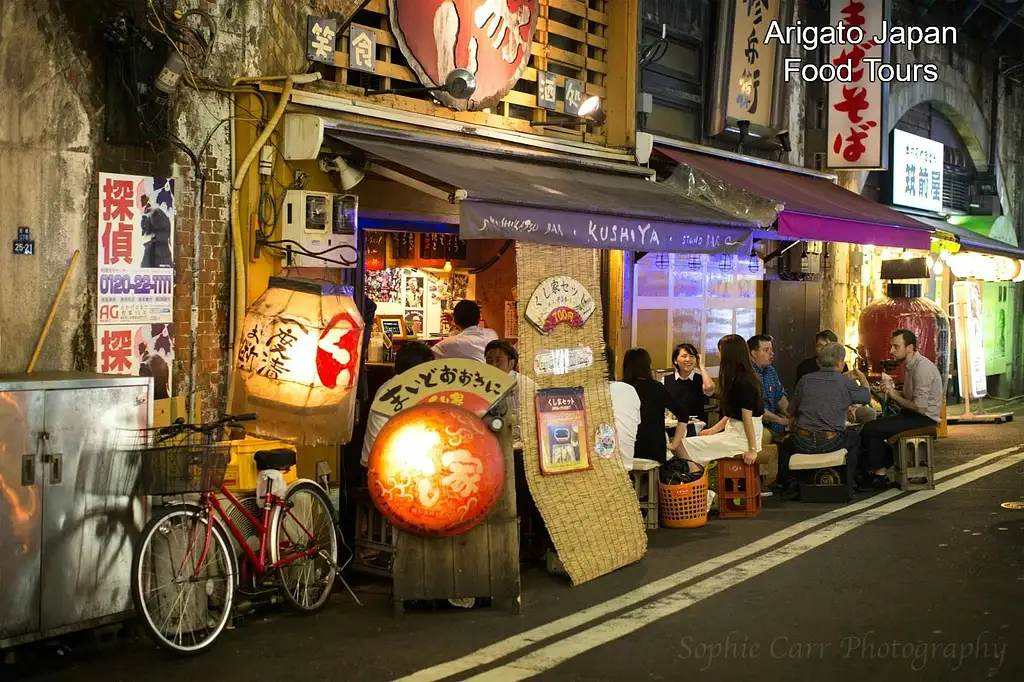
[684,505]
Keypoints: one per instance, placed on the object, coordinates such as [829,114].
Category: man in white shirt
[471,340]
[625,409]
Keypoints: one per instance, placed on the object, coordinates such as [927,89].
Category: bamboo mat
[593,516]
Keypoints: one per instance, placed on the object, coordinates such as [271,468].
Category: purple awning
[815,209]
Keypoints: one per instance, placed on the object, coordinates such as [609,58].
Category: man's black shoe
[878,483]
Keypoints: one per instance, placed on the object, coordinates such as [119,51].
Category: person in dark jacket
[654,401]
[810,365]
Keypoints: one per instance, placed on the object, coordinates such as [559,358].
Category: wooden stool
[374,542]
[645,483]
[825,477]
[912,457]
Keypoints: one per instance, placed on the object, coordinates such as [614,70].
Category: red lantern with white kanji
[299,361]
[436,470]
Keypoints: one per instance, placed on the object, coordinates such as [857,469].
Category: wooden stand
[482,563]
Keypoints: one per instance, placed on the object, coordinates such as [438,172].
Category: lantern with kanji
[299,361]
[436,469]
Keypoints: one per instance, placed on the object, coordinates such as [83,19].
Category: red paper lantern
[436,470]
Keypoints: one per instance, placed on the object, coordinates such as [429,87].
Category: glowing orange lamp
[436,470]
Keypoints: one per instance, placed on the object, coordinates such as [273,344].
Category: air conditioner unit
[319,223]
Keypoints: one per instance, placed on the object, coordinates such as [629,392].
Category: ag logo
[490,38]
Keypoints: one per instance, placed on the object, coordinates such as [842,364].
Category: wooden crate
[374,543]
[739,489]
[571,40]
[913,459]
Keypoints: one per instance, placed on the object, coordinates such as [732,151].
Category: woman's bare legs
[680,452]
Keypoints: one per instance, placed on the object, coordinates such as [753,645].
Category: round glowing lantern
[436,470]
[299,361]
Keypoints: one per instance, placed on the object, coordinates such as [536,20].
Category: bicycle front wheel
[183,586]
[304,547]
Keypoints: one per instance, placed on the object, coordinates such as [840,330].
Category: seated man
[820,404]
[920,401]
[810,365]
[503,355]
[470,340]
[776,402]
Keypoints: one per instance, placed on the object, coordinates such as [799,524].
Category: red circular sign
[436,470]
[338,351]
[490,38]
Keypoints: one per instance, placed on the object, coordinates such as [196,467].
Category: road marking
[507,647]
[548,657]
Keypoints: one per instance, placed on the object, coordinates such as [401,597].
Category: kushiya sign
[490,38]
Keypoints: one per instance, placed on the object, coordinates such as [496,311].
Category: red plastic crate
[739,489]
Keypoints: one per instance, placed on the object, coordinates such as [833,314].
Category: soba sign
[490,38]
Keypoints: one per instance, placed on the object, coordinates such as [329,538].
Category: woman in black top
[739,431]
[654,400]
[691,385]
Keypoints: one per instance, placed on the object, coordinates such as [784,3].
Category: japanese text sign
[136,246]
[142,350]
[856,109]
[559,300]
[321,39]
[362,49]
[917,178]
[751,62]
[562,430]
[468,384]
[547,90]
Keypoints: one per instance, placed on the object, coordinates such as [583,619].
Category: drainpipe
[198,201]
[238,293]
[993,131]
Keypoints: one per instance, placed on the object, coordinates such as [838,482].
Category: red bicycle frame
[210,502]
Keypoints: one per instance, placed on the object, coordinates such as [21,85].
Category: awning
[563,203]
[815,209]
[972,241]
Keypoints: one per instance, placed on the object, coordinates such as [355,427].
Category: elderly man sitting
[819,405]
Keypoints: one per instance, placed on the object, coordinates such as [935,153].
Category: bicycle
[185,573]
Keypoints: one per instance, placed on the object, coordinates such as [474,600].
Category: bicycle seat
[278,458]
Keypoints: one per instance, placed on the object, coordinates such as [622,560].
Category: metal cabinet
[68,515]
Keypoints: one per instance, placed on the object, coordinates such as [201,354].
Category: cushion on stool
[640,464]
[803,462]
[924,432]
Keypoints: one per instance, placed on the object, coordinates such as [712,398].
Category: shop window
[675,68]
[693,298]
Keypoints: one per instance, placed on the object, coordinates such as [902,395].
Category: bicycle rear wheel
[182,585]
[304,525]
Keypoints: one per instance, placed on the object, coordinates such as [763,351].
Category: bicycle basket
[183,465]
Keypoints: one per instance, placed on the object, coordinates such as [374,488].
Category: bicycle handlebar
[179,426]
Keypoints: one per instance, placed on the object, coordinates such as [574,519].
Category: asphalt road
[895,586]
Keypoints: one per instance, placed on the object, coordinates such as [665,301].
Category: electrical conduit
[238,294]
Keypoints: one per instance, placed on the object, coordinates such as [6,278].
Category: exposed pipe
[53,312]
[237,246]
[993,131]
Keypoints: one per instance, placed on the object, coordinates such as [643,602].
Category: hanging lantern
[436,470]
[299,361]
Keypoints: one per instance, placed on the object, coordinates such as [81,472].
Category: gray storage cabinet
[69,517]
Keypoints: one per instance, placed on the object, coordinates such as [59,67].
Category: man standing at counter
[470,341]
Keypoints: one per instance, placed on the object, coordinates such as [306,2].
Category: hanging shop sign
[490,38]
[970,344]
[858,104]
[436,470]
[562,431]
[321,39]
[559,300]
[917,165]
[467,384]
[479,220]
[362,49]
[562,360]
[135,249]
[752,62]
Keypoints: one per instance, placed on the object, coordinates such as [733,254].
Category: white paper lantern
[299,361]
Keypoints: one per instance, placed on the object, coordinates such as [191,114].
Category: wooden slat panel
[384,69]
[597,17]
[438,568]
[407,569]
[531,75]
[552,26]
[557,55]
[597,65]
[576,7]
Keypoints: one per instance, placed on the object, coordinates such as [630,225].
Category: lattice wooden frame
[571,40]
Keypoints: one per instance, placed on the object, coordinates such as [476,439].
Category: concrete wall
[52,147]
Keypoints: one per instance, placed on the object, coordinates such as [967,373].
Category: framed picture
[414,322]
[415,291]
[392,325]
[562,431]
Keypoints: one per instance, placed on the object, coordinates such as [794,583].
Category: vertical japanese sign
[970,342]
[362,49]
[135,277]
[752,63]
[321,39]
[857,127]
[917,165]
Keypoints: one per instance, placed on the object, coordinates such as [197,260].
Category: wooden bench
[912,458]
